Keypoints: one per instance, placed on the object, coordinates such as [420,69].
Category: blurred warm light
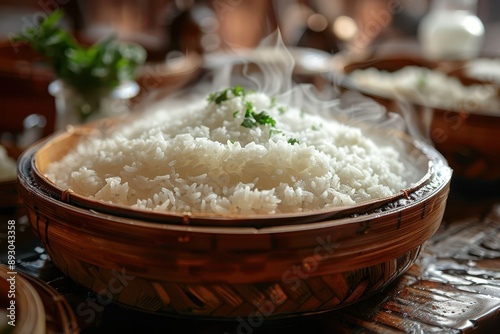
[345,28]
[317,22]
[294,18]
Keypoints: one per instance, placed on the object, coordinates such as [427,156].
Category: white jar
[451,30]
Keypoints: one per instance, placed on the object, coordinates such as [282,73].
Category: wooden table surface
[454,287]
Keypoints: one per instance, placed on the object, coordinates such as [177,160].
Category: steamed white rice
[200,158]
[8,169]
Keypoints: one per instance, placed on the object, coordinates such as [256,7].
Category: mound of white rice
[429,88]
[201,158]
[8,169]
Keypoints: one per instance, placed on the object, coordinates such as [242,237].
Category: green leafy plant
[92,70]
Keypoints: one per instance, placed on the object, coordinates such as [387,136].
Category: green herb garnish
[252,119]
[263,118]
[93,71]
[249,123]
[222,96]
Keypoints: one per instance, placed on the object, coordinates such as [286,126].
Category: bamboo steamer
[466,139]
[158,264]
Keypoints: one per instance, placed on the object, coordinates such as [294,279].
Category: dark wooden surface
[453,288]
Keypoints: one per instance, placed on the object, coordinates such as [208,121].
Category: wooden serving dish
[236,271]
[467,140]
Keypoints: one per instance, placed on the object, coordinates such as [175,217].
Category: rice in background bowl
[428,87]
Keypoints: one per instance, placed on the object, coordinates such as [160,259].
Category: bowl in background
[466,139]
[157,79]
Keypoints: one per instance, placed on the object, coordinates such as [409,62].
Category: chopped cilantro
[249,123]
[293,141]
[249,108]
[222,96]
[252,119]
[238,91]
[264,118]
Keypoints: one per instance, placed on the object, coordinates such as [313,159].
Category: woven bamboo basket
[193,269]
[465,139]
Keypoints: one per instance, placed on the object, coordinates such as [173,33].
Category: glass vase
[75,107]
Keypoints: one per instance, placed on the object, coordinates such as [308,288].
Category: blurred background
[191,29]
[206,26]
